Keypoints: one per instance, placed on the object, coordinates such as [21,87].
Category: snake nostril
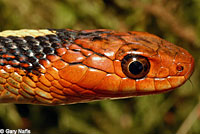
[179,68]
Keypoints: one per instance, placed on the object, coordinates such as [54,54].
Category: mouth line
[123,95]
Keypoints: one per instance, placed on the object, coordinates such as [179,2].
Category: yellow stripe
[26,32]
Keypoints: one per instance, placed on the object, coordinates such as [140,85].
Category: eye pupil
[136,67]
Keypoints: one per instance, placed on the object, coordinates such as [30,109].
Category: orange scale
[70,92]
[42,69]
[165,54]
[73,73]
[64,83]
[91,78]
[118,68]
[146,84]
[107,48]
[155,65]
[42,87]
[11,89]
[53,58]
[76,88]
[162,72]
[176,80]
[74,47]
[4,74]
[87,93]
[143,34]
[42,100]
[127,85]
[25,94]
[162,84]
[28,81]
[61,51]
[56,84]
[84,42]
[2,88]
[33,77]
[16,76]
[73,56]
[43,94]
[9,69]
[53,72]
[49,77]
[58,96]
[27,88]
[3,80]
[56,90]
[110,83]
[172,69]
[86,52]
[99,62]
[45,63]
[181,58]
[13,83]
[44,80]
[59,64]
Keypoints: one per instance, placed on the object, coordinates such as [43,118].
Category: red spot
[8,56]
[25,65]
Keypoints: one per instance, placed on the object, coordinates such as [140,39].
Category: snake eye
[135,66]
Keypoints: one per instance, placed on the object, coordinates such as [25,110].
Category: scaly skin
[82,66]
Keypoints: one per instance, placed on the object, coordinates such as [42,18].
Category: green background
[177,21]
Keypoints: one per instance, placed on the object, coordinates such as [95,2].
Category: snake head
[134,63]
[150,64]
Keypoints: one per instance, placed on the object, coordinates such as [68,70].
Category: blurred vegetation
[177,21]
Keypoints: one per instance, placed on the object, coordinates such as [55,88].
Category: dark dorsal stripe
[26,52]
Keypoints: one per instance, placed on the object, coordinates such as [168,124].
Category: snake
[64,66]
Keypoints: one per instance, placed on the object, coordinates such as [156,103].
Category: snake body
[63,66]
